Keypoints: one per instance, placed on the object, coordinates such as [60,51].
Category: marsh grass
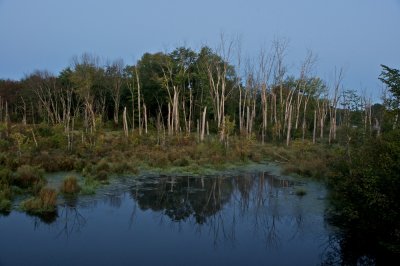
[109,153]
[90,186]
[70,185]
[5,205]
[29,177]
[305,159]
[5,197]
[45,201]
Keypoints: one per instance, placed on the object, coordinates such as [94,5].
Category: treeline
[187,91]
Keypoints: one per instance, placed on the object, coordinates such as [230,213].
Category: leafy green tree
[391,77]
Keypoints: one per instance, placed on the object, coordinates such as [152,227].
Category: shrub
[5,176]
[45,201]
[181,162]
[29,177]
[5,191]
[89,187]
[101,175]
[5,205]
[5,197]
[102,165]
[70,185]
[123,167]
[255,156]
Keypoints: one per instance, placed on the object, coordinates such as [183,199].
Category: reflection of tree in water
[252,197]
[181,198]
[43,218]
[259,196]
[66,219]
[5,214]
[70,221]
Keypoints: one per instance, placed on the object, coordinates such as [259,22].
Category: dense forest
[190,109]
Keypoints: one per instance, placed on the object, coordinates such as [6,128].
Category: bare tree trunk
[190,110]
[240,111]
[304,117]
[322,110]
[23,111]
[264,113]
[116,71]
[169,120]
[138,101]
[203,124]
[34,138]
[289,126]
[125,123]
[315,126]
[333,108]
[132,91]
[145,118]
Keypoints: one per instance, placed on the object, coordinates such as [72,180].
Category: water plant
[45,201]
[29,177]
[70,185]
[89,186]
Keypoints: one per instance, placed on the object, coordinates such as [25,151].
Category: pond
[246,219]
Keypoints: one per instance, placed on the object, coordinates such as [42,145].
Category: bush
[365,189]
[45,201]
[5,197]
[102,165]
[29,177]
[89,187]
[181,162]
[5,176]
[5,205]
[70,185]
[102,175]
[5,191]
[123,167]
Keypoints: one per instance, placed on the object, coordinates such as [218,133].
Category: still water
[246,219]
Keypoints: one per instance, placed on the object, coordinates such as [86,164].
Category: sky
[355,35]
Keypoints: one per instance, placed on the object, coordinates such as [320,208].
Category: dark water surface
[251,219]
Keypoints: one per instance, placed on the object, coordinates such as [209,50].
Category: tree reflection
[219,203]
[70,221]
[258,206]
[181,198]
[43,218]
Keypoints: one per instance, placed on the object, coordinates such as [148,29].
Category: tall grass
[31,177]
[45,201]
[70,185]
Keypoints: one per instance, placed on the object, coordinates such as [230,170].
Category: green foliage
[5,205]
[366,188]
[5,192]
[306,159]
[6,176]
[391,77]
[90,186]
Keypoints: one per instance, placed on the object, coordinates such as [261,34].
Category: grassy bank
[25,157]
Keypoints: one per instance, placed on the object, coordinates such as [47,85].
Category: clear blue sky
[357,35]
